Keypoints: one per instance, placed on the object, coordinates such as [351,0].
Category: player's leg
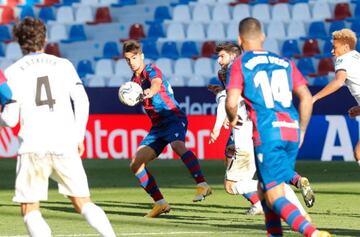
[94,215]
[30,188]
[357,152]
[70,175]
[302,183]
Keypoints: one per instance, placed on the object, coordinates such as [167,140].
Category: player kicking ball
[169,125]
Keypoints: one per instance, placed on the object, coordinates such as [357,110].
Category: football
[130,93]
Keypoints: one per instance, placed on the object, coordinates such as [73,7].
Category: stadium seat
[53,49]
[89,2]
[183,67]
[47,3]
[204,67]
[301,12]
[310,48]
[306,66]
[57,32]
[5,35]
[46,14]
[162,13]
[13,51]
[290,48]
[208,49]
[67,2]
[104,68]
[232,30]
[169,50]
[317,30]
[189,49]
[155,31]
[97,81]
[177,80]
[26,10]
[240,12]
[296,29]
[356,13]
[336,25]
[276,30]
[84,68]
[181,13]
[122,69]
[355,26]
[2,53]
[7,15]
[196,31]
[201,13]
[116,81]
[261,12]
[175,31]
[136,31]
[319,81]
[102,15]
[150,49]
[272,45]
[280,12]
[84,14]
[76,33]
[341,11]
[320,11]
[325,66]
[65,15]
[165,65]
[221,13]
[209,2]
[326,49]
[111,50]
[196,81]
[215,31]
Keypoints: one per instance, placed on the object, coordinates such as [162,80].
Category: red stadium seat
[325,66]
[7,15]
[53,48]
[341,12]
[136,31]
[48,3]
[208,49]
[310,48]
[102,15]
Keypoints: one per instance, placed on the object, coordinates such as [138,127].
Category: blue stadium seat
[2,53]
[306,66]
[111,50]
[46,14]
[162,13]
[326,49]
[27,10]
[169,50]
[77,33]
[150,49]
[155,31]
[290,48]
[84,67]
[355,26]
[189,49]
[317,30]
[336,25]
[4,33]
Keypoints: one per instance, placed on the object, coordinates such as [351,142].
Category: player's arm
[231,105]
[305,108]
[10,114]
[333,86]
[154,88]
[220,118]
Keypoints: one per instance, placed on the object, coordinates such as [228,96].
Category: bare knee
[357,151]
[28,207]
[79,202]
[228,186]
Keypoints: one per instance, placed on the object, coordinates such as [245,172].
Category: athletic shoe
[307,192]
[254,210]
[323,233]
[201,193]
[158,209]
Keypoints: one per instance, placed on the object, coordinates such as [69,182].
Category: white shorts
[242,165]
[33,172]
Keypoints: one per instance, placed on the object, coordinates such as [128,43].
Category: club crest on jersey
[176,134]
[183,124]
[260,157]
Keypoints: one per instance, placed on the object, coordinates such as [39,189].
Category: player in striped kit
[169,125]
[51,133]
[267,82]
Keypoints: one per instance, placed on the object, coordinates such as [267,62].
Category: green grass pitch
[113,187]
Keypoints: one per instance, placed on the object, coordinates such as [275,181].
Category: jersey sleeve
[235,77]
[154,72]
[340,64]
[297,78]
[220,112]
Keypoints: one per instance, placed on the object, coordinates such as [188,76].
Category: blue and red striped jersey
[162,107]
[266,81]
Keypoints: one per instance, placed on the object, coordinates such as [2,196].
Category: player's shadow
[344,232]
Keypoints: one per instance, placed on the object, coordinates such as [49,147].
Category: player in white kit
[51,133]
[347,71]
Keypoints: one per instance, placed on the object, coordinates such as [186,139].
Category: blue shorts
[160,136]
[275,162]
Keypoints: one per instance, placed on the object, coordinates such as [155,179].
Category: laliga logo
[9,144]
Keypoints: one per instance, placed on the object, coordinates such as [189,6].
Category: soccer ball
[130,93]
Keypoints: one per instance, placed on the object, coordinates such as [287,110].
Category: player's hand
[226,123]
[214,135]
[148,94]
[302,135]
[354,111]
[81,148]
[237,123]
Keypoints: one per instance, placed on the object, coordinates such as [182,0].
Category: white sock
[245,186]
[97,219]
[203,184]
[36,225]
[291,196]
[161,201]
[358,162]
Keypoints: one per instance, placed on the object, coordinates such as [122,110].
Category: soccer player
[267,82]
[51,134]
[169,125]
[347,71]
[239,151]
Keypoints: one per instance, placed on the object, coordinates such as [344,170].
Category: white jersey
[221,113]
[43,86]
[350,62]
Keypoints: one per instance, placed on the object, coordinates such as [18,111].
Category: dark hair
[228,47]
[250,28]
[132,46]
[30,33]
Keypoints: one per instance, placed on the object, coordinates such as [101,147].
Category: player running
[51,134]
[169,125]
[267,82]
[347,71]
